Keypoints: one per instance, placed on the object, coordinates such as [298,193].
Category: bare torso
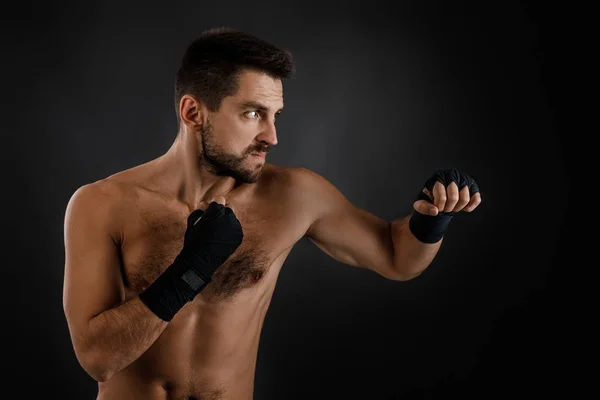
[209,350]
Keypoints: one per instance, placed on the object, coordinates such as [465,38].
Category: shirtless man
[171,265]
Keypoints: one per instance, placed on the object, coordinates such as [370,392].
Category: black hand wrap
[210,238]
[428,228]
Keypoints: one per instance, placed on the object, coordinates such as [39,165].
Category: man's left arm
[399,250]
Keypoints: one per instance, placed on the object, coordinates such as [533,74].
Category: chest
[155,237]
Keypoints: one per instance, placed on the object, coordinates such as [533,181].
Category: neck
[185,175]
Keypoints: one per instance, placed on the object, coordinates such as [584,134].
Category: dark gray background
[384,94]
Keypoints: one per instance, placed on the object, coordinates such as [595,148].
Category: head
[228,94]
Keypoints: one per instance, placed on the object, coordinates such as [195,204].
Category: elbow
[404,276]
[406,271]
[100,374]
[396,274]
[98,369]
[95,365]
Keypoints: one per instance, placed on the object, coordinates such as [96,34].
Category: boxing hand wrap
[430,229]
[210,238]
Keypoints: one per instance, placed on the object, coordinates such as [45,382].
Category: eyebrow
[258,106]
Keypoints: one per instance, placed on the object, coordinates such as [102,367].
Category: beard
[221,163]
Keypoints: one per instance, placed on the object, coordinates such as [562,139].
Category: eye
[252,114]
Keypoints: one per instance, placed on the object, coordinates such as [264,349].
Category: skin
[123,231]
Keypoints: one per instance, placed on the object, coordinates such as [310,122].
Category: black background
[385,93]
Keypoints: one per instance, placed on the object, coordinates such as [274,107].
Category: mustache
[259,149]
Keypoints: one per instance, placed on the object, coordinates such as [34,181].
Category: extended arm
[356,237]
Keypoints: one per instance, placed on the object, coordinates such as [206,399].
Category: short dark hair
[211,64]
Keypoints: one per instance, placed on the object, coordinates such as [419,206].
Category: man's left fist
[448,191]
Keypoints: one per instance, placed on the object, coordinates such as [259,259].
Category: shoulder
[97,204]
[99,194]
[111,192]
[104,193]
[304,189]
[295,180]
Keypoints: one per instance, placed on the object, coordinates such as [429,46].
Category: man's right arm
[107,333]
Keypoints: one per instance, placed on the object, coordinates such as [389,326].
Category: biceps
[92,276]
[354,237]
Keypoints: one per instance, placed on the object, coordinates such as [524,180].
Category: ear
[192,111]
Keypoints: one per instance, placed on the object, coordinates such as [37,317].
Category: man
[171,265]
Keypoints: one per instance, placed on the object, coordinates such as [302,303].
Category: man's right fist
[210,239]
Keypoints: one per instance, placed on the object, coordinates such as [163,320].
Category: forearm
[411,256]
[119,336]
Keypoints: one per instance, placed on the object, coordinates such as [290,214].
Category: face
[237,138]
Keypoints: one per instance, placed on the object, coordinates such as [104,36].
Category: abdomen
[207,352]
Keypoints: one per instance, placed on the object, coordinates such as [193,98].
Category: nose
[268,134]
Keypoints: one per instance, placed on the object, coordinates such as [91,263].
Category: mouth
[260,154]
